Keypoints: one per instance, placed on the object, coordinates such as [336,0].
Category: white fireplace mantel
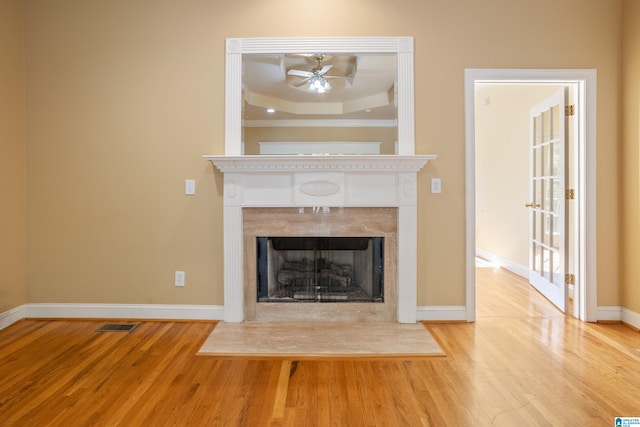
[343,163]
[320,181]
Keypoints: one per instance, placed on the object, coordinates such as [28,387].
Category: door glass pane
[555,117]
[548,224]
[548,194]
[555,242]
[537,258]
[556,198]
[546,167]
[555,170]
[546,126]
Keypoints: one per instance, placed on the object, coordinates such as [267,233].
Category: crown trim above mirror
[402,47]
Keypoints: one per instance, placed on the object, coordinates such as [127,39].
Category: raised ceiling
[363,87]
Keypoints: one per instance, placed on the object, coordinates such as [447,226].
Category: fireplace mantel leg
[407,249]
[233,265]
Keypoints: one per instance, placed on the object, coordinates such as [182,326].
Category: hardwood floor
[522,363]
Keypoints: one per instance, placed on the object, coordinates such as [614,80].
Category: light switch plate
[179,279]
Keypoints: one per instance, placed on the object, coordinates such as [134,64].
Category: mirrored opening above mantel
[350,89]
[342,98]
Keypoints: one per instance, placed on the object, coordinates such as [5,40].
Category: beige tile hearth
[339,222]
[321,339]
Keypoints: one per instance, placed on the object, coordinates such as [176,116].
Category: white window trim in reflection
[401,46]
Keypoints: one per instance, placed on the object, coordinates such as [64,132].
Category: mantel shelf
[346,163]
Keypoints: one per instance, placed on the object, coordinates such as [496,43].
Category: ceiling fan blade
[301,82]
[325,69]
[300,73]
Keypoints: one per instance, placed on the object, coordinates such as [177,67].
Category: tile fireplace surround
[309,186]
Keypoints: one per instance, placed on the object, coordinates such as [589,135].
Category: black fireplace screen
[320,269]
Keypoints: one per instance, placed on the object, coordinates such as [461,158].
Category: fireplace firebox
[320,269]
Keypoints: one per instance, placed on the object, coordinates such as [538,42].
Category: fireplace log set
[330,271]
[319,280]
[325,272]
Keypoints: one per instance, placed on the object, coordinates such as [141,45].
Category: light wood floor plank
[281,390]
[521,363]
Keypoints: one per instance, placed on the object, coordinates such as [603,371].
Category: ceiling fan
[317,77]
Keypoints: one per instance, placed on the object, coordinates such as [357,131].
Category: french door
[547,199]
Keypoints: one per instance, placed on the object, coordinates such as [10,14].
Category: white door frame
[585,185]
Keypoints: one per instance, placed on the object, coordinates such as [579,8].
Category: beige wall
[124,97]
[502,168]
[13,255]
[630,173]
[123,100]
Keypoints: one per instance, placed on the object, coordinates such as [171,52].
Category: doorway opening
[581,256]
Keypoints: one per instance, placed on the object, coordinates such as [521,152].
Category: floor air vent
[117,327]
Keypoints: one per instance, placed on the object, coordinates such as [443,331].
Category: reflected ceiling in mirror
[319,86]
[265,71]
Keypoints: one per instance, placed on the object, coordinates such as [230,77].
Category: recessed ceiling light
[271,110]
[368,110]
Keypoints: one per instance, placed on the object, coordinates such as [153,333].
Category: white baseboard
[112,311]
[514,267]
[10,317]
[442,313]
[609,313]
[169,312]
[631,317]
[616,313]
[126,311]
[216,312]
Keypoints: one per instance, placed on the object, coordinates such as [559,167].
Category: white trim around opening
[585,80]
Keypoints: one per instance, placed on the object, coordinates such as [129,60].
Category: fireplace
[320,196]
[360,188]
[316,240]
[320,269]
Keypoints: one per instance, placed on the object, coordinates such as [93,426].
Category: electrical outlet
[179,279]
[190,187]
[436,185]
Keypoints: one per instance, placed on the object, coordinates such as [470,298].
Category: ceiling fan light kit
[316,77]
[319,84]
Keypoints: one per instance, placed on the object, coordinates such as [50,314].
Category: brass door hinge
[569,110]
[570,194]
[569,279]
